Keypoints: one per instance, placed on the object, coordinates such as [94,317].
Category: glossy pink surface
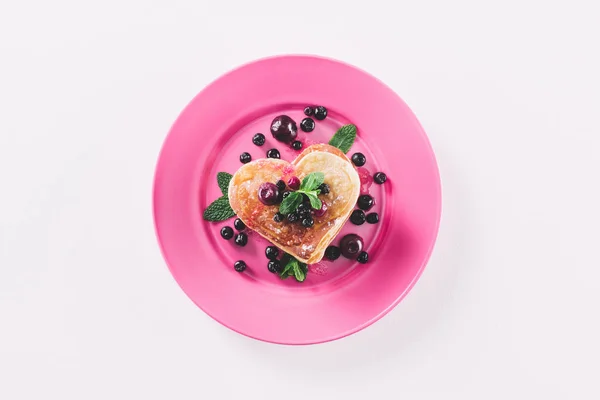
[338,298]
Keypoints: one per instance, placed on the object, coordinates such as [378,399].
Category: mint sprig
[223,179]
[312,181]
[344,138]
[220,209]
[309,187]
[290,203]
[293,267]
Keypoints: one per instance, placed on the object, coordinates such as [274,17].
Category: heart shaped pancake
[306,244]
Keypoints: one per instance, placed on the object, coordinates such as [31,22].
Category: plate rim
[400,296]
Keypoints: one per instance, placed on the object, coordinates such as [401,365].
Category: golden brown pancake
[306,244]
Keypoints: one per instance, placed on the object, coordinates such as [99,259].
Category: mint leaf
[344,138]
[304,268]
[223,179]
[218,210]
[314,200]
[290,203]
[287,267]
[299,272]
[287,270]
[293,267]
[312,181]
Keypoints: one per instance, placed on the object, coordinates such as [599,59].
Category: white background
[509,94]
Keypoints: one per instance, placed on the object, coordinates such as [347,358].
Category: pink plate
[338,298]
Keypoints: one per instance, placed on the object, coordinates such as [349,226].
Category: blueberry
[380,178]
[245,158]
[239,266]
[324,188]
[304,214]
[365,202]
[273,153]
[280,185]
[284,129]
[320,113]
[274,266]
[258,139]
[332,253]
[373,218]
[363,257]
[359,159]
[239,224]
[303,207]
[307,222]
[308,111]
[268,193]
[351,245]
[297,145]
[271,252]
[285,194]
[278,217]
[226,232]
[357,217]
[241,239]
[293,217]
[307,125]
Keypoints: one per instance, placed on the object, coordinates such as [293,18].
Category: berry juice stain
[366,180]
[319,269]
